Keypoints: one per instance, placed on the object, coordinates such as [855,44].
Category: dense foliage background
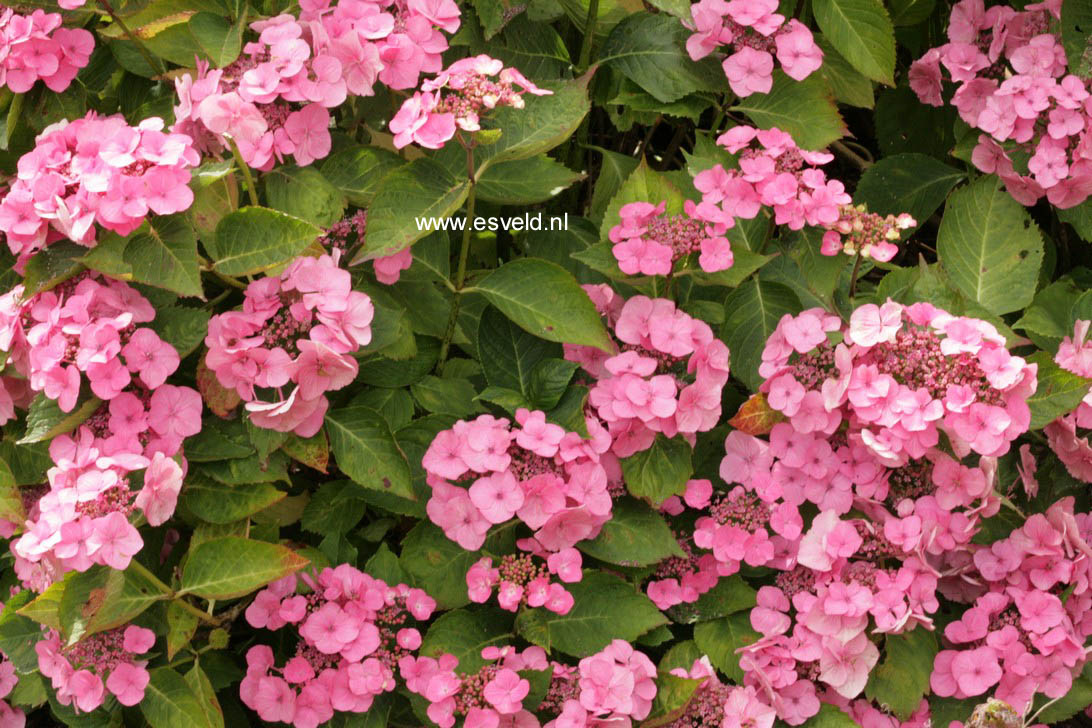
[770,406]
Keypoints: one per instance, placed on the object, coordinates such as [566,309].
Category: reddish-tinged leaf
[313,451]
[220,401]
[756,417]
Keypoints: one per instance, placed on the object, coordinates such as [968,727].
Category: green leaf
[849,85]
[744,264]
[45,608]
[525,181]
[600,258]
[220,39]
[379,371]
[229,567]
[913,183]
[161,253]
[731,594]
[752,312]
[1077,36]
[396,405]
[804,109]
[904,124]
[256,239]
[542,124]
[1080,217]
[660,471]
[606,608]
[181,627]
[19,634]
[251,469]
[613,171]
[305,193]
[219,440]
[901,680]
[206,696]
[909,12]
[549,381]
[635,535]
[45,420]
[407,196]
[11,500]
[102,598]
[170,701]
[357,171]
[182,327]
[437,564]
[216,502]
[650,50]
[383,564]
[673,694]
[28,463]
[544,299]
[366,451]
[508,354]
[1047,320]
[509,399]
[632,104]
[52,265]
[862,32]
[445,396]
[1058,393]
[990,247]
[336,507]
[464,632]
[491,13]
[720,638]
[831,716]
[642,185]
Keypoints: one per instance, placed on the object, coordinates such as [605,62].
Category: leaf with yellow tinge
[313,451]
[45,609]
[181,626]
[151,28]
[756,416]
[229,567]
[102,598]
[11,501]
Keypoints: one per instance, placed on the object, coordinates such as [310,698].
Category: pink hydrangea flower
[648,242]
[754,34]
[640,391]
[35,47]
[300,329]
[353,630]
[1013,84]
[72,180]
[456,99]
[773,172]
[83,673]
[549,479]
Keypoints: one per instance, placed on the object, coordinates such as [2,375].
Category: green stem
[853,276]
[858,161]
[154,63]
[589,36]
[147,574]
[768,236]
[248,178]
[717,121]
[203,616]
[464,255]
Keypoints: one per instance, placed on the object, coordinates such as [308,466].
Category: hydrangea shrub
[583,364]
